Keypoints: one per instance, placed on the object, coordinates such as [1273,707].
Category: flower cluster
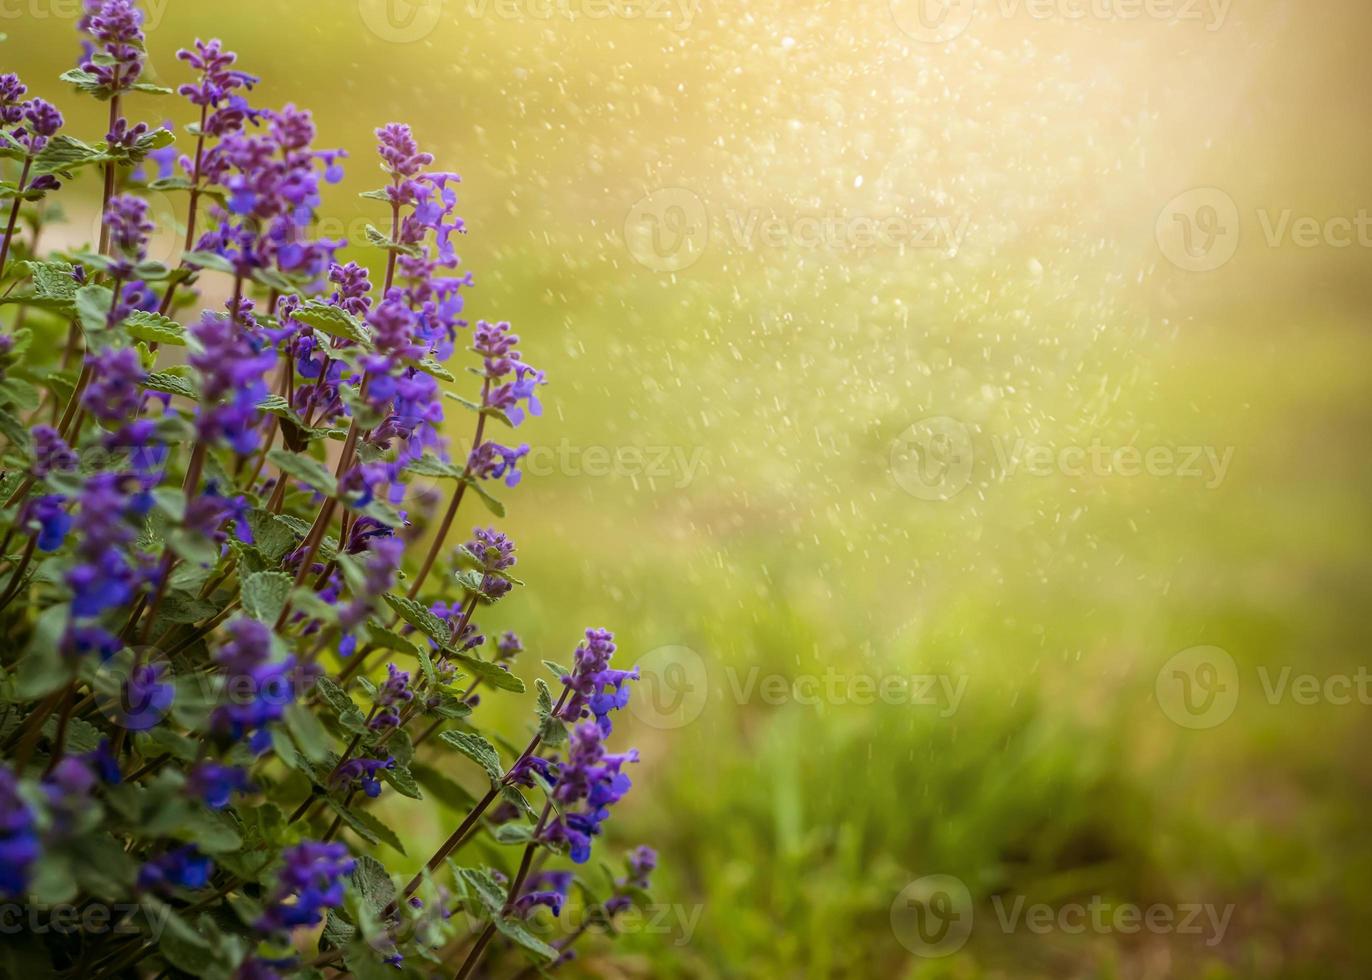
[235,617]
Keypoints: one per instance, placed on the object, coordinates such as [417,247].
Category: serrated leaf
[208,260]
[93,307]
[403,780]
[307,470]
[171,384]
[154,328]
[477,749]
[264,595]
[432,466]
[333,321]
[497,677]
[419,616]
[366,826]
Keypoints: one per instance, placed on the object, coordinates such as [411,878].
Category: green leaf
[64,154]
[348,713]
[334,322]
[490,896]
[419,617]
[477,749]
[550,729]
[172,384]
[93,307]
[556,669]
[432,466]
[308,732]
[430,366]
[378,238]
[307,470]
[44,669]
[155,328]
[213,833]
[497,677]
[53,280]
[271,535]
[180,607]
[493,505]
[403,780]
[443,789]
[186,948]
[264,595]
[15,431]
[384,639]
[367,826]
[208,260]
[519,934]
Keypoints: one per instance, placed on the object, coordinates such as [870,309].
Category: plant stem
[109,181]
[515,885]
[455,503]
[14,211]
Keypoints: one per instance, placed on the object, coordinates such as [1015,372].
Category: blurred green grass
[788,374]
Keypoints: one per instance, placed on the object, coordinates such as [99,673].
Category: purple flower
[68,790]
[117,28]
[547,888]
[216,784]
[146,698]
[400,153]
[114,391]
[105,764]
[588,784]
[50,452]
[19,846]
[362,774]
[353,287]
[495,552]
[184,867]
[492,461]
[126,218]
[106,573]
[594,687]
[524,388]
[258,687]
[309,883]
[217,78]
[508,646]
[12,91]
[41,122]
[53,520]
[233,365]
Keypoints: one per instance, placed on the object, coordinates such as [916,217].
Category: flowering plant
[232,611]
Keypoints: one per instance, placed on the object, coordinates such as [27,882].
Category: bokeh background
[788,457]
